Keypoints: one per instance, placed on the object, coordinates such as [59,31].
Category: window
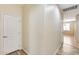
[66,26]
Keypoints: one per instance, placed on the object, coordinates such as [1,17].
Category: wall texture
[42,32]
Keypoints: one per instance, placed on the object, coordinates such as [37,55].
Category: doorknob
[4,36]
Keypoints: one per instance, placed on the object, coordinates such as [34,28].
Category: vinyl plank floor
[18,52]
[70,46]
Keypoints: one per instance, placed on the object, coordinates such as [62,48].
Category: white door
[11,35]
[1,35]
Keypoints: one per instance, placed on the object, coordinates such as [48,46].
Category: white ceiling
[71,13]
[63,6]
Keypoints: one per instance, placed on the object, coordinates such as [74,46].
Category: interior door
[1,34]
[11,33]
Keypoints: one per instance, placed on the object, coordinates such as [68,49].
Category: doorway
[69,31]
[70,45]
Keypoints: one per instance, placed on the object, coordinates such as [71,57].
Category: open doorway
[69,31]
[70,45]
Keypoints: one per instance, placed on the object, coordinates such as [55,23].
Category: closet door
[11,35]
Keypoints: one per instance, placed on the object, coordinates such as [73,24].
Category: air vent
[70,8]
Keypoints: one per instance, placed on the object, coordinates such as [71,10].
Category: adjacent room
[70,30]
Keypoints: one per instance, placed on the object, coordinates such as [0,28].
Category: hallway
[70,46]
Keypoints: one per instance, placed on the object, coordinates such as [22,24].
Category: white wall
[52,30]
[41,29]
[77,28]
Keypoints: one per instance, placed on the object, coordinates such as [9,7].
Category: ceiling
[63,6]
[70,13]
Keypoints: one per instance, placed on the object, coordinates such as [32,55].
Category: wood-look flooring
[18,52]
[70,46]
